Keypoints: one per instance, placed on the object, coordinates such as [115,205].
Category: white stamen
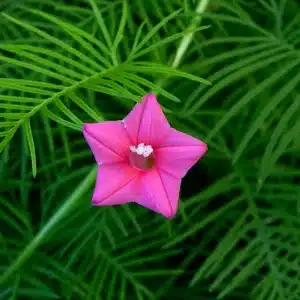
[142,149]
[147,150]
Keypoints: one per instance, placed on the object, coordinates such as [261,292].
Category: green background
[226,72]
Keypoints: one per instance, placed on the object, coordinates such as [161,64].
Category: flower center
[141,157]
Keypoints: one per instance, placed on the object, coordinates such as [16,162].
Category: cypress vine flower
[141,159]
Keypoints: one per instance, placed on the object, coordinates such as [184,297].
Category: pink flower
[141,159]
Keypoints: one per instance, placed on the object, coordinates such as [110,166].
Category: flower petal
[159,191]
[116,184]
[108,141]
[132,123]
[146,123]
[178,153]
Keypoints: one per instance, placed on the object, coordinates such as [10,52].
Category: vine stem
[64,210]
[186,40]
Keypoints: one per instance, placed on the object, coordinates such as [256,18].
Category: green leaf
[242,68]
[121,28]
[101,23]
[30,141]
[144,67]
[258,122]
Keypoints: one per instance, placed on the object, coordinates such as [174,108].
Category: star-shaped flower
[141,159]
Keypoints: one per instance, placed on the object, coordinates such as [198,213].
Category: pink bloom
[141,159]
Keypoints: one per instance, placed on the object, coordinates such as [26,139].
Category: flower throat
[141,157]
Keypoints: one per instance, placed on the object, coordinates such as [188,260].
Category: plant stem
[56,218]
[186,40]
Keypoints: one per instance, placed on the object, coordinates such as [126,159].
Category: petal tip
[85,127]
[202,148]
[94,202]
[149,97]
[170,215]
[85,132]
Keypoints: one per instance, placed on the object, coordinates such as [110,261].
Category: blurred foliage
[237,232]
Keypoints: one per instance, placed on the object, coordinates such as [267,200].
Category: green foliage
[226,71]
